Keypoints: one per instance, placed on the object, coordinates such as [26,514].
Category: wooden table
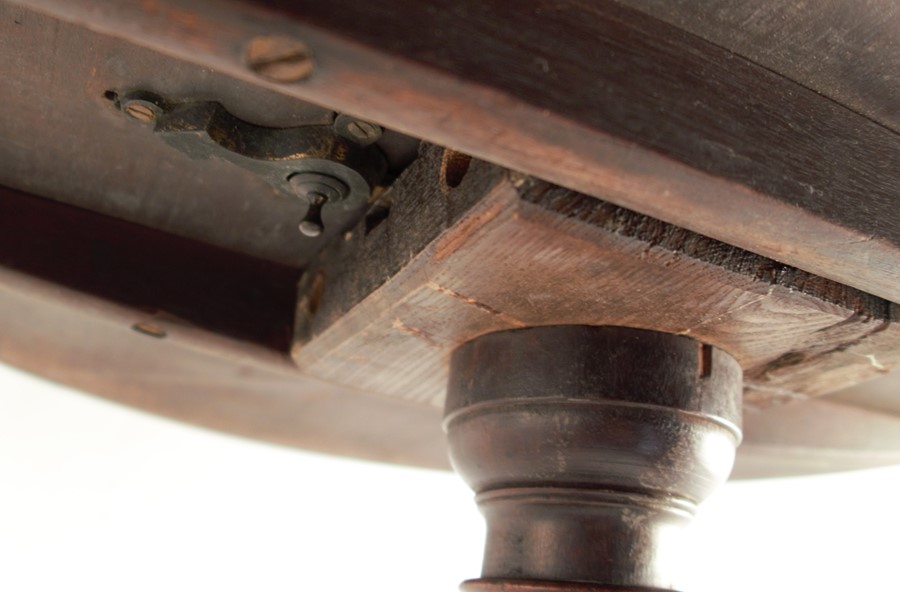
[732,166]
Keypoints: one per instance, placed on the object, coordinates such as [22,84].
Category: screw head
[279,59]
[361,132]
[140,110]
[318,188]
[311,228]
[151,329]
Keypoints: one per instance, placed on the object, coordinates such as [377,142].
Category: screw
[311,186]
[311,228]
[149,329]
[316,190]
[142,111]
[361,132]
[312,225]
[279,59]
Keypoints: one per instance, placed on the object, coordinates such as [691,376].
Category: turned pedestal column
[589,449]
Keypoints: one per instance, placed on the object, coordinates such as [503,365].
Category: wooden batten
[504,250]
[593,95]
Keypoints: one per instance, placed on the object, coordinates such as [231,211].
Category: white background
[94,496]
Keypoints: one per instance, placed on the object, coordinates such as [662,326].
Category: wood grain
[61,139]
[504,250]
[816,436]
[184,281]
[81,331]
[198,377]
[193,376]
[594,96]
[856,44]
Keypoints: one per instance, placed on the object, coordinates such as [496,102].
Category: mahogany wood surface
[176,366]
[184,281]
[595,96]
[384,308]
[195,376]
[62,139]
[831,433]
[589,449]
[848,51]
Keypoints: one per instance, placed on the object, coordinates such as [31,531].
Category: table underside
[761,154]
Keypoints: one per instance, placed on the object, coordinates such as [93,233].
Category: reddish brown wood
[188,282]
[198,377]
[845,50]
[736,165]
[61,138]
[594,96]
[490,585]
[880,395]
[831,433]
[589,449]
[503,251]
[222,383]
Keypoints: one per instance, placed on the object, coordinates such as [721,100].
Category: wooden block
[504,250]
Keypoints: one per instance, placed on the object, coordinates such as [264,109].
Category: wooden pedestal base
[486,585]
[589,449]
